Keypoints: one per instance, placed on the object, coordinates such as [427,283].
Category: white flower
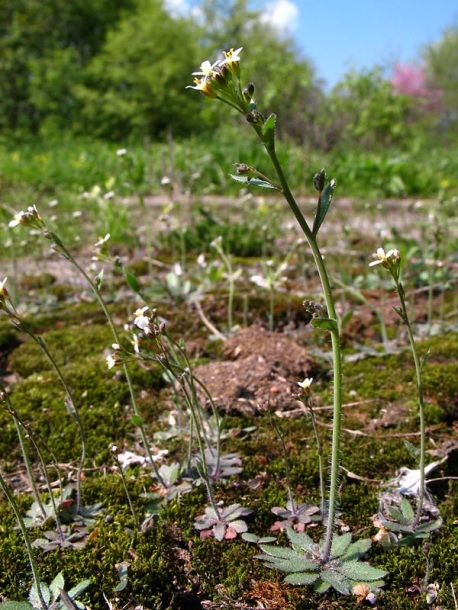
[203,84]
[231,57]
[305,385]
[2,286]
[141,321]
[110,361]
[260,281]
[206,68]
[385,259]
[102,241]
[16,220]
[116,346]
[201,260]
[121,152]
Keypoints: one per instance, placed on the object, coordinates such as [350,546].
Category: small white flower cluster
[147,324]
[141,321]
[29,218]
[392,256]
[208,71]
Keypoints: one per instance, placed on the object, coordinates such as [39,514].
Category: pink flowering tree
[410,79]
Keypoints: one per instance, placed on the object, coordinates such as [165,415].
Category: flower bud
[319,180]
[255,118]
[242,169]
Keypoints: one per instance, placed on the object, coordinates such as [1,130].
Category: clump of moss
[72,344]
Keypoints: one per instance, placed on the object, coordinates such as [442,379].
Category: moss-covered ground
[169,565]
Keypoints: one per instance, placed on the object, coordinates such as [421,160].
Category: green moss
[72,344]
[170,566]
[440,386]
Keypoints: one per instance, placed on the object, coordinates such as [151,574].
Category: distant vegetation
[80,80]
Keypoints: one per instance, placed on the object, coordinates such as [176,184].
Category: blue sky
[338,35]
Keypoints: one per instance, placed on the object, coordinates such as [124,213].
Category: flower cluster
[31,218]
[101,252]
[148,324]
[221,80]
[390,260]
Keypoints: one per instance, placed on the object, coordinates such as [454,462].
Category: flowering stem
[336,352]
[139,422]
[70,406]
[319,451]
[126,491]
[28,546]
[279,434]
[421,405]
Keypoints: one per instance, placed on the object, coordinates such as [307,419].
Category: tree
[44,45]
[441,64]
[136,84]
[364,110]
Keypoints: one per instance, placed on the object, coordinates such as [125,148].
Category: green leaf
[357,549]
[68,602]
[34,597]
[79,588]
[268,131]
[299,564]
[300,539]
[361,572]
[56,585]
[396,515]
[13,605]
[253,182]
[326,324]
[137,420]
[249,537]
[123,569]
[393,526]
[413,451]
[407,511]
[324,203]
[340,544]
[337,581]
[424,358]
[430,527]
[321,586]
[346,319]
[280,552]
[302,578]
[132,282]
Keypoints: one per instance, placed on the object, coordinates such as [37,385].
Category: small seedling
[223,523]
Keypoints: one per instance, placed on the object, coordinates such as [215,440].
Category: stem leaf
[326,324]
[253,182]
[324,203]
[268,131]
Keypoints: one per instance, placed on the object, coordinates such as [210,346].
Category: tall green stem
[117,340]
[421,404]
[28,546]
[336,352]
